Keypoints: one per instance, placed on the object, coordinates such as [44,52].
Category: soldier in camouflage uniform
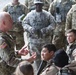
[8,59]
[71,47]
[15,9]
[59,10]
[6,46]
[39,25]
[31,6]
[71,18]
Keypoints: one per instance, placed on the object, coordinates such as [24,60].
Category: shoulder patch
[3,45]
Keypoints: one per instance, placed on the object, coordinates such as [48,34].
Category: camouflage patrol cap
[38,1]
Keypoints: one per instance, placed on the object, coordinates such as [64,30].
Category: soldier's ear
[52,53]
[3,22]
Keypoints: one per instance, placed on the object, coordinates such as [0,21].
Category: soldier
[59,10]
[71,48]
[31,6]
[47,54]
[8,59]
[39,25]
[71,18]
[15,9]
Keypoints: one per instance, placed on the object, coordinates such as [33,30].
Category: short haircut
[71,30]
[60,58]
[50,47]
[24,68]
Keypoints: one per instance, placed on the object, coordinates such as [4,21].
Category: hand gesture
[23,51]
[32,57]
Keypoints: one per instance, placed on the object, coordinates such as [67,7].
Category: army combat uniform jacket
[39,21]
[8,60]
[71,18]
[51,70]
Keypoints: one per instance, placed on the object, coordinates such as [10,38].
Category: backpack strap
[72,47]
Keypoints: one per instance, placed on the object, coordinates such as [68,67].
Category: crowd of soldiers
[41,22]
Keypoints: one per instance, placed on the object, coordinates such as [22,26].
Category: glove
[35,32]
[43,31]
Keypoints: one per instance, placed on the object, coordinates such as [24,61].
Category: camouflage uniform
[15,11]
[38,21]
[51,70]
[8,59]
[46,4]
[31,6]
[59,11]
[71,51]
[71,18]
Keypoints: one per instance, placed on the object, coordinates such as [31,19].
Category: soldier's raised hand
[23,51]
[32,57]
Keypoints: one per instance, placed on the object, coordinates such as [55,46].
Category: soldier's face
[46,55]
[71,37]
[39,7]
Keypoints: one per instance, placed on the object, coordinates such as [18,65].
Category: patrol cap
[38,1]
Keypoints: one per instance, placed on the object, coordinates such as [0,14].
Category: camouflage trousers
[59,38]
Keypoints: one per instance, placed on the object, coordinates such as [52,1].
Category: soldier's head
[15,2]
[24,68]
[6,21]
[60,58]
[71,35]
[48,51]
[39,4]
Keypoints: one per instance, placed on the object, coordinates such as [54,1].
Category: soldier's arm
[51,8]
[68,20]
[25,9]
[74,54]
[52,23]
[7,55]
[26,24]
[51,26]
